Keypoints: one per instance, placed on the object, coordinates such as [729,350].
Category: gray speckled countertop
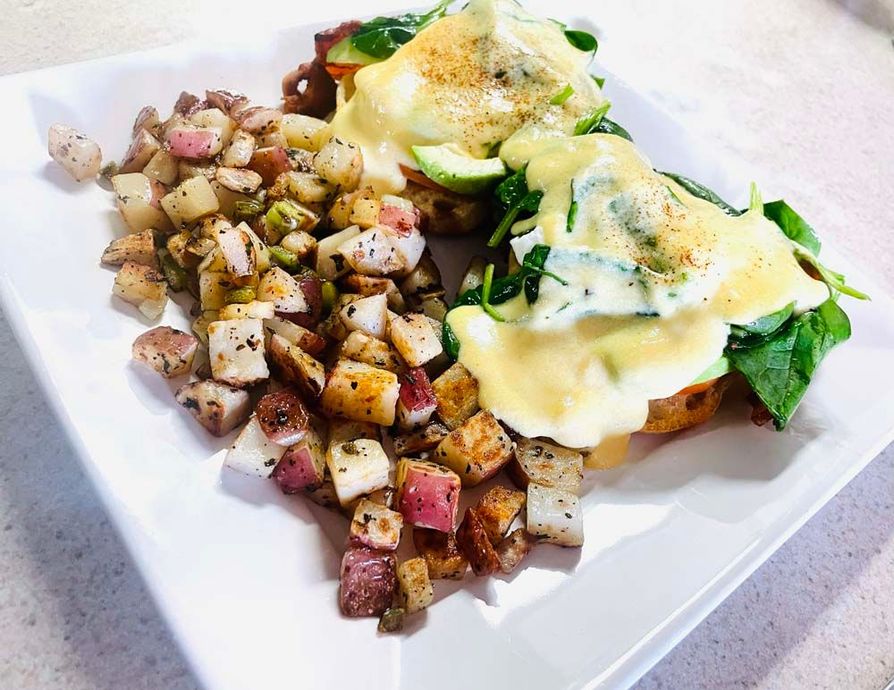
[801,89]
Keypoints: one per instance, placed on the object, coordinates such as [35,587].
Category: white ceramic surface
[247,577]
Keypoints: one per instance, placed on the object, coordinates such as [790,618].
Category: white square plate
[247,577]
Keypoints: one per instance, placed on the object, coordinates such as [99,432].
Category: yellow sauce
[470,79]
[655,276]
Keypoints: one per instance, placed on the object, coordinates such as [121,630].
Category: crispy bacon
[318,97]
[324,40]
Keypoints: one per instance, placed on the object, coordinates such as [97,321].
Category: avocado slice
[720,368]
[457,171]
[344,53]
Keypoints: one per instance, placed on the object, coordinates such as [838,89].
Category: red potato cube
[169,351]
[368,581]
[217,407]
[143,147]
[399,219]
[283,417]
[376,526]
[303,466]
[427,494]
[312,343]
[475,544]
[195,142]
[416,402]
[258,120]
[270,162]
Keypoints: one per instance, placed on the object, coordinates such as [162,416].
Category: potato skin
[368,582]
[474,543]
[683,410]
[441,553]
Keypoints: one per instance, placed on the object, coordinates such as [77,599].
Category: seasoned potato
[238,153]
[368,581]
[341,430]
[330,262]
[415,585]
[303,466]
[249,310]
[252,452]
[300,243]
[162,167]
[512,550]
[294,365]
[339,163]
[213,117]
[324,495]
[361,392]
[473,276]
[376,526]
[477,450]
[138,199]
[457,393]
[424,439]
[377,353]
[357,468]
[169,351]
[143,147]
[307,340]
[472,540]
[283,417]
[415,339]
[367,315]
[236,248]
[416,402]
[138,247]
[372,253]
[374,285]
[284,291]
[409,248]
[213,289]
[546,464]
[142,286]
[302,131]
[78,155]
[684,410]
[497,509]
[424,280]
[555,515]
[238,179]
[447,213]
[195,143]
[218,407]
[365,212]
[442,554]
[427,494]
[189,201]
[236,351]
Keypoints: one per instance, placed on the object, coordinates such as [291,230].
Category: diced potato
[377,353]
[251,310]
[398,214]
[147,119]
[330,262]
[236,351]
[546,464]
[194,143]
[138,247]
[283,417]
[213,288]
[512,550]
[383,497]
[226,101]
[270,162]
[473,276]
[497,509]
[218,407]
[415,339]
[472,540]
[302,131]
[409,248]
[324,495]
[143,147]
[341,430]
[190,200]
[365,212]
[252,452]
[199,168]
[427,494]
[227,198]
[236,249]
[339,163]
[376,526]
[262,252]
[424,439]
[442,554]
[169,351]
[374,285]
[239,180]
[200,328]
[142,286]
[217,119]
[457,393]
[79,155]
[303,466]
[367,315]
[367,582]
[435,308]
[423,280]
[162,167]
[416,402]
[138,200]
[177,246]
[308,188]
[275,138]
[358,391]
[555,515]
[610,453]
[238,154]
[301,244]
[307,340]
[339,216]
[477,450]
[415,585]
[258,120]
[294,365]
[372,253]
[283,290]
[357,468]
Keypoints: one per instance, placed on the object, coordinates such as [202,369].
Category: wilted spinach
[514,197]
[382,36]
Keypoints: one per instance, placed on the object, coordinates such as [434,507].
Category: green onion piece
[755,203]
[572,211]
[503,227]
[330,295]
[562,96]
[242,295]
[591,120]
[485,294]
[283,257]
[246,210]
[285,217]
[392,620]
[174,274]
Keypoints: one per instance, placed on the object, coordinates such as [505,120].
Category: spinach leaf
[589,122]
[794,227]
[780,367]
[381,36]
[606,126]
[515,197]
[582,40]
[831,278]
[600,81]
[765,325]
[702,192]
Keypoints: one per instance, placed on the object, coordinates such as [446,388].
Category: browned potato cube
[546,464]
[514,548]
[474,543]
[217,407]
[497,509]
[477,450]
[361,392]
[415,584]
[341,430]
[169,351]
[426,438]
[364,348]
[376,526]
[138,247]
[442,555]
[457,393]
[374,285]
[295,365]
